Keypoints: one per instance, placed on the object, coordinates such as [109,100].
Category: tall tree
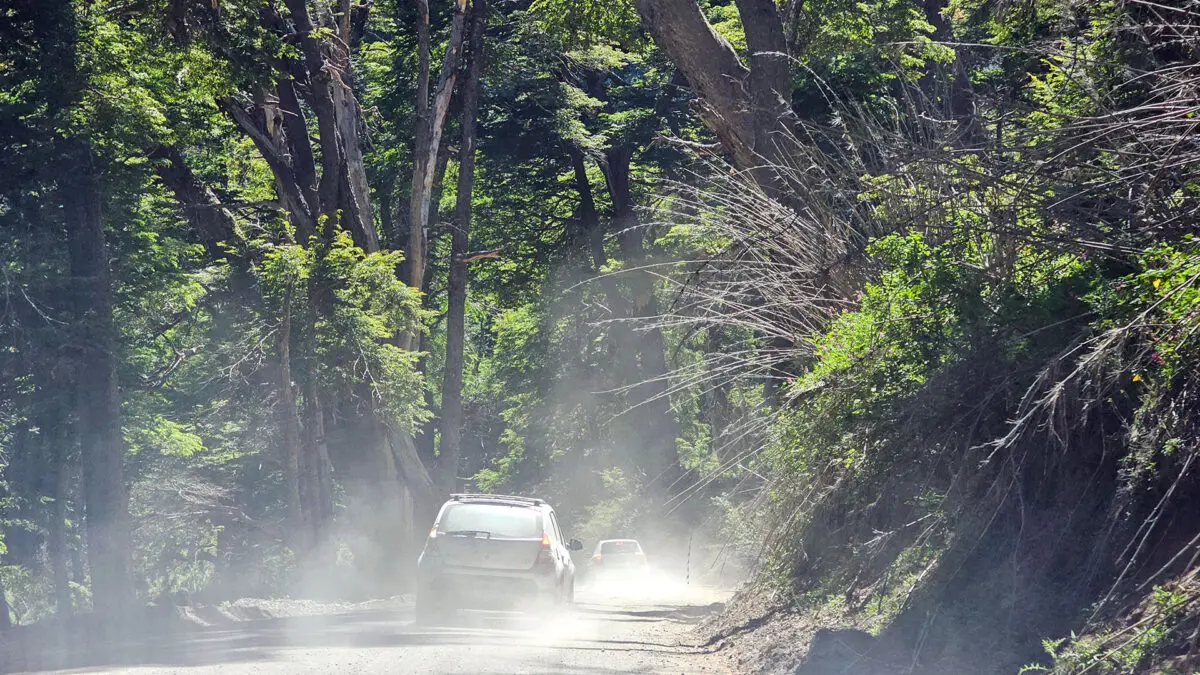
[98,399]
[651,391]
[319,200]
[431,123]
[452,405]
[747,108]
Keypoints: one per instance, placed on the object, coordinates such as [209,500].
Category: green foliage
[30,595]
[586,22]
[371,308]
[860,52]
[933,308]
[164,436]
[1161,299]
[614,510]
[1128,650]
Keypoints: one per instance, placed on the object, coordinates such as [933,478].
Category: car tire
[550,602]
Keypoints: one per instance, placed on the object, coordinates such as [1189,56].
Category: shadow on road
[262,640]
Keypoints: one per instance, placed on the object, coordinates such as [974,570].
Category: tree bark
[429,136]
[5,611]
[320,85]
[770,80]
[357,191]
[746,108]
[589,219]
[299,147]
[416,240]
[711,67]
[452,408]
[316,479]
[661,462]
[78,564]
[98,399]
[387,230]
[624,349]
[291,435]
[211,221]
[314,196]
[56,541]
[416,476]
[292,194]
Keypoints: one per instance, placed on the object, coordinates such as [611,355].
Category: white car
[617,556]
[493,552]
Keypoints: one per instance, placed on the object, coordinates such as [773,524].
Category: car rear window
[498,520]
[611,547]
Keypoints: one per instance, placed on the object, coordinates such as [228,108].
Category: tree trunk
[748,109]
[78,564]
[711,67]
[375,497]
[770,85]
[624,352]
[98,399]
[413,259]
[299,148]
[313,197]
[300,209]
[56,541]
[661,462]
[387,229]
[292,438]
[316,480]
[412,470]
[589,219]
[421,487]
[429,136]
[320,85]
[452,408]
[357,192]
[5,612]
[211,221]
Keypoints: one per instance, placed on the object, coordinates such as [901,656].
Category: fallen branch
[479,255]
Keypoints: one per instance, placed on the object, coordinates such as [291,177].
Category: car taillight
[544,557]
[597,559]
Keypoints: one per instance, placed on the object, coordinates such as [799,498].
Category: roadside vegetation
[895,301]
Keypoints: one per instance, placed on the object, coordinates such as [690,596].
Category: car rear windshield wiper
[470,533]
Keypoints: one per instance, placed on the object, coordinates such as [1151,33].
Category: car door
[560,544]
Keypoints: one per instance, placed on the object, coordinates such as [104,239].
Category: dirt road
[645,632]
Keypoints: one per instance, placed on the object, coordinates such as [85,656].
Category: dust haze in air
[597,483]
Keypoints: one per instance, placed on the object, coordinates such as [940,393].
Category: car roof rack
[506,498]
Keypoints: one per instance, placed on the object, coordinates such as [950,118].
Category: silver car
[493,552]
[618,557]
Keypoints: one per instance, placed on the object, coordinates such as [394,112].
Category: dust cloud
[651,587]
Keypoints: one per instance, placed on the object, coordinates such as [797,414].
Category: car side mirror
[575,545]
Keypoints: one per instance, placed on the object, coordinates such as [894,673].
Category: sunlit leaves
[587,22]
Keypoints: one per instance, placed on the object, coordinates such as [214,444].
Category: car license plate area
[487,592]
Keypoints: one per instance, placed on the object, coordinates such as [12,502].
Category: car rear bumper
[486,589]
[619,566]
